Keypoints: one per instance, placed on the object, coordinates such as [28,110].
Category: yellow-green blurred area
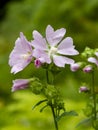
[80,18]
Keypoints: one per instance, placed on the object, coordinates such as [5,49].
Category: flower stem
[51,104]
[54,116]
[94,99]
[94,96]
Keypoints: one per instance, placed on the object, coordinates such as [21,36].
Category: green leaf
[43,108]
[38,103]
[70,113]
[85,121]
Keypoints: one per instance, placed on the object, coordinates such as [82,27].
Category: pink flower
[53,48]
[74,67]
[21,55]
[20,84]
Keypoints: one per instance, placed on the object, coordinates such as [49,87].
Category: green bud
[36,86]
[88,52]
[50,91]
[60,105]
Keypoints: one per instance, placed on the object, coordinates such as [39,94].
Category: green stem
[51,104]
[54,116]
[47,76]
[94,116]
[94,95]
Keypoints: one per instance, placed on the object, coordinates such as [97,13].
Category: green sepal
[70,113]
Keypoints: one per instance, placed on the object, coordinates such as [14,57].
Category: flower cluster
[89,61]
[52,49]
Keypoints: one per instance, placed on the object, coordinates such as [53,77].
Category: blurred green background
[80,18]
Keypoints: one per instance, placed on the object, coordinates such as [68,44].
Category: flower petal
[60,61]
[21,55]
[66,47]
[54,37]
[66,43]
[19,66]
[93,60]
[39,42]
[25,45]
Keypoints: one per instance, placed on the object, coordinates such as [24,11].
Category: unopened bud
[76,66]
[87,69]
[37,63]
[83,89]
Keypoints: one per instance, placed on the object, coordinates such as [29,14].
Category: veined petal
[68,52]
[20,84]
[21,55]
[66,43]
[19,66]
[54,37]
[93,60]
[39,42]
[25,45]
[60,61]
[66,47]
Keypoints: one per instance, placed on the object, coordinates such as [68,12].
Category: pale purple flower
[93,60]
[20,84]
[21,55]
[74,67]
[87,69]
[53,48]
[83,89]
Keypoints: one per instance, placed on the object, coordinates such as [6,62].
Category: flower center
[52,51]
[26,56]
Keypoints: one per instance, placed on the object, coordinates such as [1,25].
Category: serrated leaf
[38,103]
[70,113]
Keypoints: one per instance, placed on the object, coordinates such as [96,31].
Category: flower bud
[76,66]
[50,91]
[83,89]
[88,52]
[37,63]
[87,69]
[20,84]
[36,86]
